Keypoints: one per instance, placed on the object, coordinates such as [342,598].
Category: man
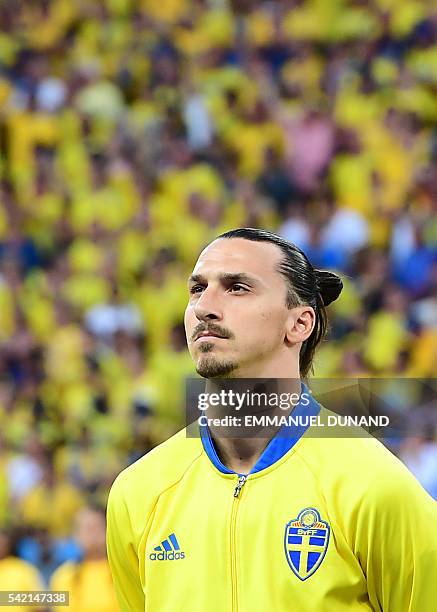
[89,581]
[297,523]
[15,573]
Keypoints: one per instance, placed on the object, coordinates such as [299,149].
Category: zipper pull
[241,481]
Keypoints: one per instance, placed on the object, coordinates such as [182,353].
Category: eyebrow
[227,277]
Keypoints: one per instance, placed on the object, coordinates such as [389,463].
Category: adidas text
[166,556]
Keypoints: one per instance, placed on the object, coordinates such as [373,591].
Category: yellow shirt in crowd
[90,586]
[18,575]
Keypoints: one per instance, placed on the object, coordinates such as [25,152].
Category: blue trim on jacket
[285,438]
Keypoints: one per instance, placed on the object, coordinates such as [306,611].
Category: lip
[206,335]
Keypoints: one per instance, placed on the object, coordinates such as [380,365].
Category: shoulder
[359,462]
[63,575]
[366,486]
[21,566]
[350,454]
[158,470]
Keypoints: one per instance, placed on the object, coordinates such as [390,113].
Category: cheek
[190,322]
[267,326]
[270,319]
[188,319]
[275,318]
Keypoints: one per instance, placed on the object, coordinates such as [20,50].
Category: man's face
[90,531]
[239,298]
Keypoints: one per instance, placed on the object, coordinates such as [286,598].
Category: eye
[237,287]
[196,289]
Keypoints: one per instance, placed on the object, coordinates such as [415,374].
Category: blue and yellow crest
[306,542]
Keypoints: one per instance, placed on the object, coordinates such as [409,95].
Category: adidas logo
[168,550]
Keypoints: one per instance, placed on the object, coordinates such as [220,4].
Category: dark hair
[13,534]
[306,285]
[93,504]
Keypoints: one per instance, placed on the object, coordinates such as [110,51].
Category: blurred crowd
[131,133]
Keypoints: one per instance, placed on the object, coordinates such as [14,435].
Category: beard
[209,366]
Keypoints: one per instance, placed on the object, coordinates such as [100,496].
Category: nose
[207,307]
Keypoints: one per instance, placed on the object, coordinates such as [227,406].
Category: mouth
[207,336]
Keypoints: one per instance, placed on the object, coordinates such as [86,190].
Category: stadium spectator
[88,581]
[16,574]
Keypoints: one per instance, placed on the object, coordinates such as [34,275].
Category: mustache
[213,329]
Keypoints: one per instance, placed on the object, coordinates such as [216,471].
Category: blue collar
[281,443]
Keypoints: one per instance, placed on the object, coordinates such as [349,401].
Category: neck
[239,446]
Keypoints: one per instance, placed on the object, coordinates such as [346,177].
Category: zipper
[240,484]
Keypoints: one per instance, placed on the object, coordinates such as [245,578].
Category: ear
[300,323]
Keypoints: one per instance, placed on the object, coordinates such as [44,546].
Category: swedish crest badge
[306,542]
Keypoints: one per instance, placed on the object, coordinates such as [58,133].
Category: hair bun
[329,285]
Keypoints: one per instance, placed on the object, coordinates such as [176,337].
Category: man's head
[5,544]
[262,304]
[90,531]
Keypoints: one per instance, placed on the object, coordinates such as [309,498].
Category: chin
[215,368]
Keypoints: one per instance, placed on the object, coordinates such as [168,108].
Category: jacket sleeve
[397,543]
[122,552]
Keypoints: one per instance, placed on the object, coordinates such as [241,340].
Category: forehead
[236,255]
